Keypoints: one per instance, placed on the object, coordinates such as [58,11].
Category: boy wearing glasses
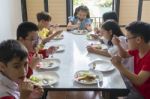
[27,34]
[138,37]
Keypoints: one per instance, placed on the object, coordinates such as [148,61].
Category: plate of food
[87,77]
[44,78]
[97,46]
[79,32]
[90,37]
[49,63]
[101,65]
[58,37]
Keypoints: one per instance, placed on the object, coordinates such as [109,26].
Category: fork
[46,82]
[98,81]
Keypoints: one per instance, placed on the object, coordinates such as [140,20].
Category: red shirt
[30,55]
[7,97]
[142,64]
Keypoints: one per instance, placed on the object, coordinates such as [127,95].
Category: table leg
[45,94]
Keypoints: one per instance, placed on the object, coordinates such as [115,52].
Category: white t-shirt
[8,87]
[113,50]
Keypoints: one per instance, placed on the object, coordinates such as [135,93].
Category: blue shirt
[83,23]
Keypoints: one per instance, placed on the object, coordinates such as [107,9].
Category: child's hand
[115,41]
[37,92]
[116,61]
[51,50]
[25,89]
[91,49]
[88,27]
[76,26]
[35,60]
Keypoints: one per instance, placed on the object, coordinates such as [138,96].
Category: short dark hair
[110,16]
[43,16]
[24,28]
[82,8]
[10,49]
[141,29]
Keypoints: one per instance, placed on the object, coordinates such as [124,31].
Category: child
[27,34]
[138,37]
[81,19]
[13,70]
[111,15]
[45,31]
[109,29]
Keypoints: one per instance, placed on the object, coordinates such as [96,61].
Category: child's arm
[29,90]
[88,27]
[70,26]
[35,60]
[51,36]
[122,52]
[136,79]
[98,51]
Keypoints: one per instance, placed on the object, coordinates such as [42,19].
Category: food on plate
[35,79]
[97,46]
[87,76]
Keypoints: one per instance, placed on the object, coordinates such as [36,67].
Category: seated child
[138,38]
[27,34]
[13,71]
[111,15]
[109,29]
[81,19]
[46,30]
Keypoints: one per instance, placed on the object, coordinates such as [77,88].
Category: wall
[128,11]
[57,9]
[10,17]
[146,11]
[33,7]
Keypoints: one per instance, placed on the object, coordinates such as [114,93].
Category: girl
[109,29]
[81,19]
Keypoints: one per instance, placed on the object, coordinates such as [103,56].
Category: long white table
[74,58]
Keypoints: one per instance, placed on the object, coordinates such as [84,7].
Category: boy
[13,70]
[45,33]
[27,34]
[138,37]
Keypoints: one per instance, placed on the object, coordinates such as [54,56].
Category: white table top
[74,58]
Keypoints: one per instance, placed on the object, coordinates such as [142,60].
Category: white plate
[83,73]
[60,48]
[102,65]
[79,32]
[58,37]
[89,37]
[49,63]
[45,78]
[97,46]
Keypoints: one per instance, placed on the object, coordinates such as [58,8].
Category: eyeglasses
[127,39]
[33,40]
